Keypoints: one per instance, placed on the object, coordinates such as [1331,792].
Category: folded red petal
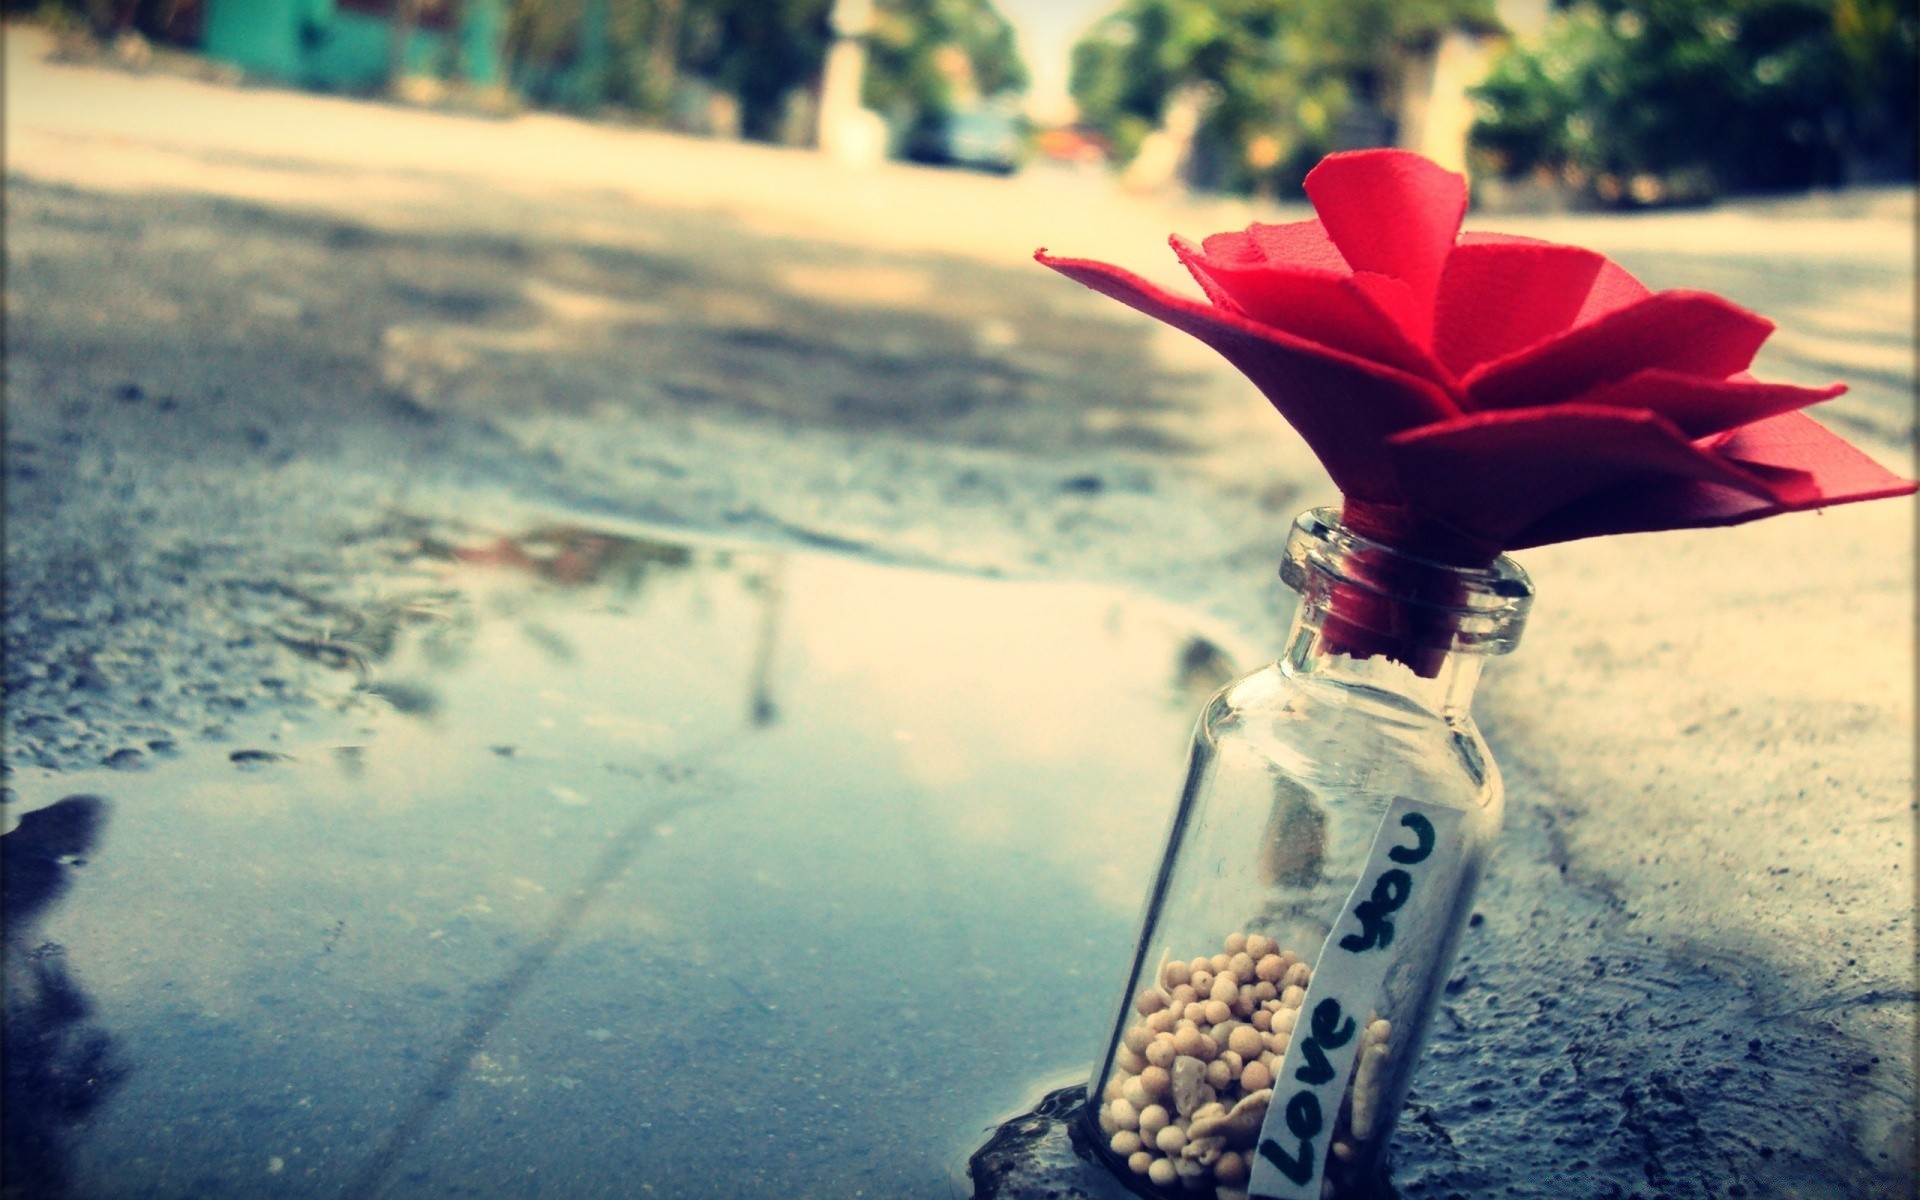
[1694,333]
[1412,317]
[1837,472]
[1296,244]
[1492,475]
[1500,297]
[1320,306]
[1700,407]
[1391,212]
[1344,407]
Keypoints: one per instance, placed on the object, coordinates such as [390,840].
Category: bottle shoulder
[1313,728]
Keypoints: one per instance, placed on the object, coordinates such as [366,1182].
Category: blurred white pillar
[1436,114]
[849,132]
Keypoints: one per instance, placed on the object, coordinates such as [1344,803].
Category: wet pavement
[590,690]
[628,867]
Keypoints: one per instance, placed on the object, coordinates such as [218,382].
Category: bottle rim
[1479,608]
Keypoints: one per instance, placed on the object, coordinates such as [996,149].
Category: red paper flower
[1478,393]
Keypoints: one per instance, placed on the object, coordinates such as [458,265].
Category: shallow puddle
[632,868]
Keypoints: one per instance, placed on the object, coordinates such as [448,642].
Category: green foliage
[1285,80]
[1691,96]
[907,78]
[761,51]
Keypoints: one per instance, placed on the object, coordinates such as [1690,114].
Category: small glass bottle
[1338,810]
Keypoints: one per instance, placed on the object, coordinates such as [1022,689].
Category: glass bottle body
[1310,782]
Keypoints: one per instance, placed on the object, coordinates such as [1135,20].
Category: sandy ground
[246,326]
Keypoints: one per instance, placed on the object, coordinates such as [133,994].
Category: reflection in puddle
[59,1066]
[635,866]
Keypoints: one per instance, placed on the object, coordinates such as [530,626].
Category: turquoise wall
[314,44]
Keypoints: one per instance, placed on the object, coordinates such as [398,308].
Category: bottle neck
[1441,683]
[1376,617]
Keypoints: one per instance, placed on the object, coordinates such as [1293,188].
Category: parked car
[983,138]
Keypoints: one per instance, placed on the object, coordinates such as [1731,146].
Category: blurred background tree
[937,56]
[658,57]
[1278,83]
[1650,100]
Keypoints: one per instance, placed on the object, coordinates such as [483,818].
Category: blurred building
[352,45]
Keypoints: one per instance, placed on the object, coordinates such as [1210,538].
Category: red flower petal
[1299,378]
[1327,307]
[1499,296]
[1815,467]
[1393,213]
[1707,406]
[1296,244]
[1694,333]
[1839,473]
[1491,475]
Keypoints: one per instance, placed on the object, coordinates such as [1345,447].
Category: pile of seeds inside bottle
[1193,1077]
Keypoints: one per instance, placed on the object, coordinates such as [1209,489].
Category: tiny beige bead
[1128,1061]
[1380,1031]
[1150,1002]
[1234,1063]
[1241,965]
[1135,1092]
[1187,1041]
[1242,1005]
[1107,1123]
[1218,1011]
[1294,996]
[1299,975]
[1225,988]
[1140,1161]
[1124,1114]
[1272,968]
[1171,1139]
[1125,1143]
[1112,1090]
[1230,1169]
[1246,1042]
[1161,1172]
[1176,973]
[1184,995]
[1255,1076]
[1202,981]
[1196,1012]
[1219,962]
[1138,1037]
[1285,1019]
[1259,945]
[1202,963]
[1209,1049]
[1183,1023]
[1265,991]
[1154,1118]
[1161,1051]
[1162,1021]
[1263,1020]
[1236,942]
[1218,1076]
[1273,1006]
[1343,1151]
[1156,1083]
[1279,1040]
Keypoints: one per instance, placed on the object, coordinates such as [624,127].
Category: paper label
[1416,841]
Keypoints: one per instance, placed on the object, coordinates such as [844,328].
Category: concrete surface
[248,327]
